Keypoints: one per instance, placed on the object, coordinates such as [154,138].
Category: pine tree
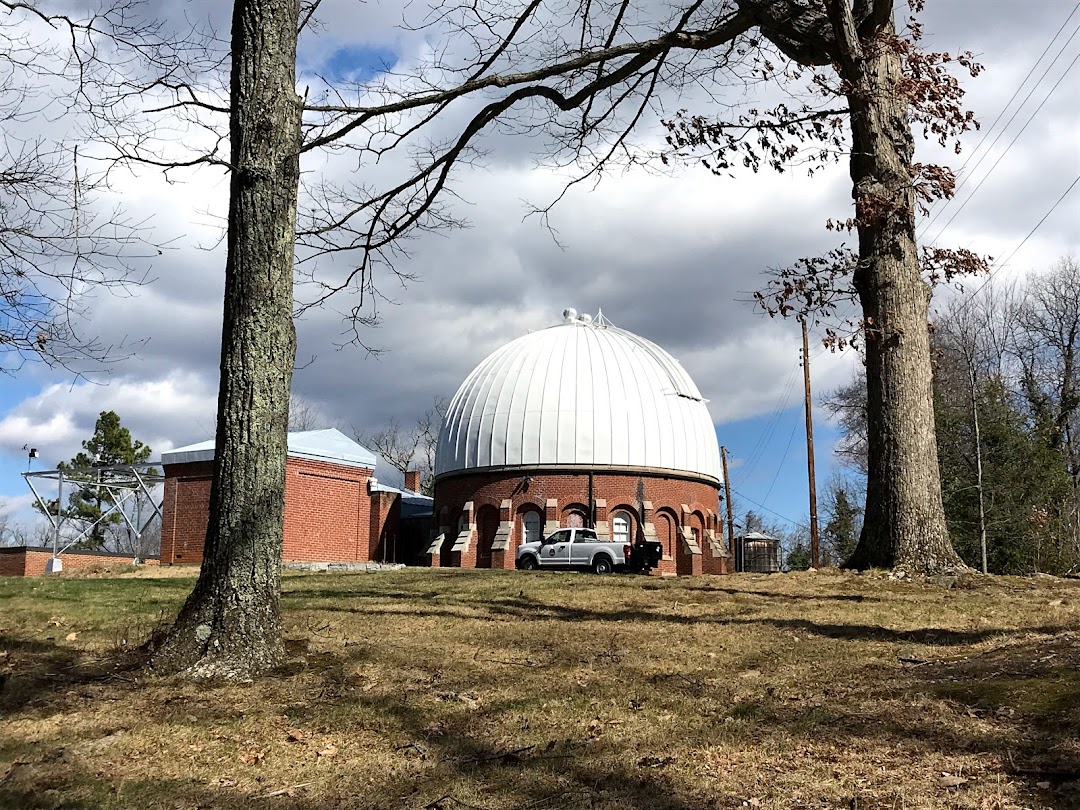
[109,447]
[843,524]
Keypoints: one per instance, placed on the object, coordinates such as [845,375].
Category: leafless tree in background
[61,241]
[409,448]
[305,415]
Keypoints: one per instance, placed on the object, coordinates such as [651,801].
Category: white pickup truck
[581,548]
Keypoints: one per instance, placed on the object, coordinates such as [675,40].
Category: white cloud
[159,412]
[672,258]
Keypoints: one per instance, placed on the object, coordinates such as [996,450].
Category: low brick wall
[30,561]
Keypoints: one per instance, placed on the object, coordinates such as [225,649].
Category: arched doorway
[532,526]
[487,525]
[666,532]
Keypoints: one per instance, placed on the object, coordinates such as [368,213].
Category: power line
[1023,242]
[1020,87]
[780,466]
[757,452]
[986,134]
[1007,148]
[767,509]
[990,129]
[1038,224]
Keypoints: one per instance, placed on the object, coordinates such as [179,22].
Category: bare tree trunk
[904,524]
[230,624]
[978,462]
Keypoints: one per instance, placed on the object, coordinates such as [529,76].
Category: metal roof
[580,393]
[413,504]
[330,445]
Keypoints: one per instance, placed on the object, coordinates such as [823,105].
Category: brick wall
[31,562]
[621,492]
[384,529]
[185,508]
[328,512]
[12,562]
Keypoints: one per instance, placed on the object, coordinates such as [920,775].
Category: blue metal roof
[413,504]
[330,445]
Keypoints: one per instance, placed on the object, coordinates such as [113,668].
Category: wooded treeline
[1007,403]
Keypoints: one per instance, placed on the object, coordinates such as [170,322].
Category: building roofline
[581,469]
[329,445]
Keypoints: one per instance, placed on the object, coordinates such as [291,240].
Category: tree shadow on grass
[1015,707]
[1017,702]
[1033,686]
[527,609]
[933,636]
[462,770]
[784,597]
[37,672]
[576,787]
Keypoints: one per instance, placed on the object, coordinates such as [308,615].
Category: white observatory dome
[582,393]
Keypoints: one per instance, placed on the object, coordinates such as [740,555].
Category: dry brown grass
[453,690]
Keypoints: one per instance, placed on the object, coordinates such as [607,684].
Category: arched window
[620,528]
[576,519]
[530,523]
[665,530]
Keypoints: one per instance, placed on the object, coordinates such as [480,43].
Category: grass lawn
[457,690]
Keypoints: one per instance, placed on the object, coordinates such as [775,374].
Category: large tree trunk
[230,624]
[904,525]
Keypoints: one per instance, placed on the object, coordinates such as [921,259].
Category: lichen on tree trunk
[904,525]
[230,625]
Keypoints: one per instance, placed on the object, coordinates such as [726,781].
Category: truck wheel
[528,563]
[602,564]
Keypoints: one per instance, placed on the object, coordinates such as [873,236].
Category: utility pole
[814,551]
[730,515]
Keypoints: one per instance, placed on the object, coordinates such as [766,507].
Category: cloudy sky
[670,255]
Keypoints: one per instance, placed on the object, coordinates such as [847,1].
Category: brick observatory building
[336,511]
[579,424]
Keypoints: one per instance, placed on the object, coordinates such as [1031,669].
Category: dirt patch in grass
[448,690]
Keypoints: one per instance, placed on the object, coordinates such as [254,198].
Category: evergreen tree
[1027,488]
[798,559]
[843,522]
[109,447]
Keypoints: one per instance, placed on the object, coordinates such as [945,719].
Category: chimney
[412,480]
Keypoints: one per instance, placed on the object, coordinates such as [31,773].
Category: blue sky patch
[356,63]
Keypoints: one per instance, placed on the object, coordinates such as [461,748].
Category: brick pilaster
[463,551]
[502,549]
[603,527]
[551,516]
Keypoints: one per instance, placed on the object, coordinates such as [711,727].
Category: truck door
[555,552]
[582,548]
